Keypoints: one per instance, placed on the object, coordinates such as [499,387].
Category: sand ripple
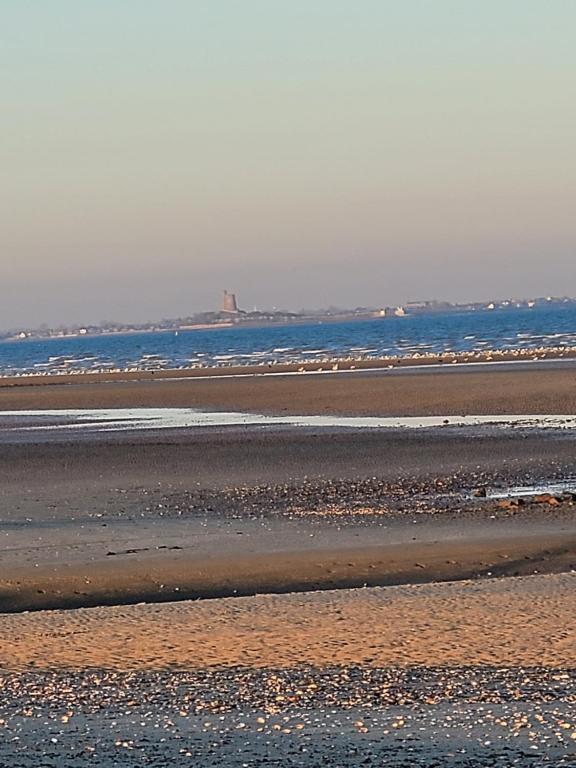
[526,621]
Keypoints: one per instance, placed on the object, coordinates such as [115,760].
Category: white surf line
[432,367]
[122,419]
[325,368]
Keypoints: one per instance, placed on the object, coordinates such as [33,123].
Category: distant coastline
[273,318]
[245,322]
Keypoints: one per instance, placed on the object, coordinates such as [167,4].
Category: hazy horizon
[301,154]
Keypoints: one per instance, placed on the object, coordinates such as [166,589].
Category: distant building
[229,303]
[391,312]
[416,307]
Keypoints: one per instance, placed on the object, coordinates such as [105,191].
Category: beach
[102,512]
[453,624]
[217,555]
[288,385]
[489,388]
[463,673]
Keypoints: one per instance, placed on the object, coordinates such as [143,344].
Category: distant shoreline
[246,324]
[270,319]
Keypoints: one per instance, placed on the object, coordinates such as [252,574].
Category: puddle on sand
[556,487]
[122,419]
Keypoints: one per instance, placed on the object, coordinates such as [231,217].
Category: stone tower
[229,303]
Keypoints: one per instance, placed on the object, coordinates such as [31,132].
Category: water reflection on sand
[123,419]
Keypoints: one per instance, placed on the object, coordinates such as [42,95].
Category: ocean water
[319,342]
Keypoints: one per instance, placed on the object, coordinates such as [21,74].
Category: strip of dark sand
[176,576]
[67,479]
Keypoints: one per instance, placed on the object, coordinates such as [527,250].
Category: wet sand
[55,493]
[50,488]
[155,517]
[125,579]
[423,717]
[69,477]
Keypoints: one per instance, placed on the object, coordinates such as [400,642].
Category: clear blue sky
[300,152]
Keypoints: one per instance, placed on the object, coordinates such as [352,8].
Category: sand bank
[526,621]
[535,388]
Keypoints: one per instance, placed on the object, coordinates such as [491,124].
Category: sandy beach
[454,624]
[467,673]
[401,587]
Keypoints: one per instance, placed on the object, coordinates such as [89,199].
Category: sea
[411,336]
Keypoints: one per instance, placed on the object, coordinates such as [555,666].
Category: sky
[302,153]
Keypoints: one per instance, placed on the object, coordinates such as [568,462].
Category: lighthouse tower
[229,303]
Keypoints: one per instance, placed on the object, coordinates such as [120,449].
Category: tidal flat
[378,596]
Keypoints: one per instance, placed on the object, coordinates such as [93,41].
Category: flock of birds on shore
[66,366]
